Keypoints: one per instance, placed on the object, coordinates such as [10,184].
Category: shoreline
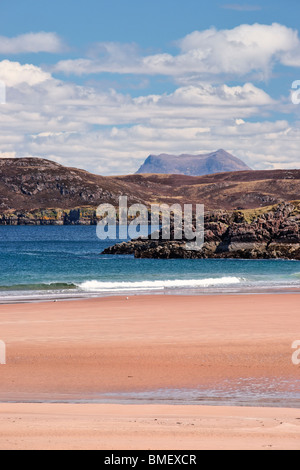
[221,402]
[168,293]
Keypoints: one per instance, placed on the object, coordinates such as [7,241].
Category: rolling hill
[34,191]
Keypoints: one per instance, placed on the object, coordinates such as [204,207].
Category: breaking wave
[99,286]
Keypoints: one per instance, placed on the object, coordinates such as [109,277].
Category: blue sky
[102,84]
[151,24]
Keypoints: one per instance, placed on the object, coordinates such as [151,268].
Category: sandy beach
[81,350]
[147,427]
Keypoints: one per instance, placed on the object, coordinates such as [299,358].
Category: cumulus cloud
[241,96]
[13,73]
[240,50]
[32,43]
[111,133]
[235,52]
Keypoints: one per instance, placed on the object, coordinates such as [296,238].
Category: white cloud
[32,43]
[236,52]
[246,95]
[7,154]
[241,50]
[112,133]
[108,132]
[13,73]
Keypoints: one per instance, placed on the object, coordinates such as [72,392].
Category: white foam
[99,286]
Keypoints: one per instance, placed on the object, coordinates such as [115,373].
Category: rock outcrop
[260,234]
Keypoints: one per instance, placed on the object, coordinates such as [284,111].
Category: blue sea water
[65,262]
[42,263]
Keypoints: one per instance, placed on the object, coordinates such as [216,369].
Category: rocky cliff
[260,234]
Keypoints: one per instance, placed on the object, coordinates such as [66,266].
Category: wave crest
[158,285]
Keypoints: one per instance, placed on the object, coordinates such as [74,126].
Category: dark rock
[267,235]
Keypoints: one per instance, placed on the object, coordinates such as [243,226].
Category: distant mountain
[192,165]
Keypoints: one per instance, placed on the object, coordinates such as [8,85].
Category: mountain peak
[193,165]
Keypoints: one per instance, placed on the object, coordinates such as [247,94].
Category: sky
[101,84]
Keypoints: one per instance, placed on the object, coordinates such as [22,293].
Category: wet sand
[83,349]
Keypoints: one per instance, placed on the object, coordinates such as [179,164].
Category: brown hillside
[28,184]
[245,189]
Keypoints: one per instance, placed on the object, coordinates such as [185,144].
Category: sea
[41,263]
[65,262]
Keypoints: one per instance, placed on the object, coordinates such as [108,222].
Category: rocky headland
[267,233]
